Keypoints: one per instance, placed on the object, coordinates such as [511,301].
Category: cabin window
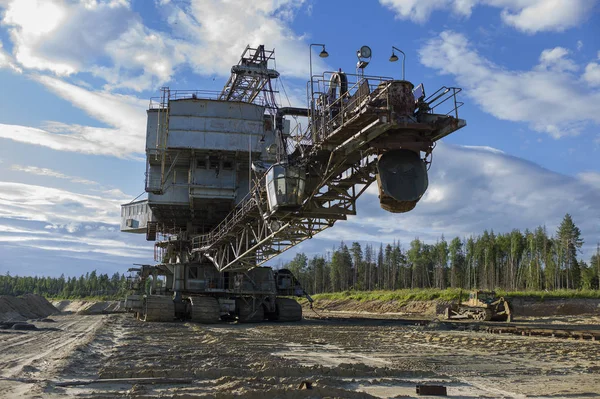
[193,272]
[227,165]
[285,186]
[213,162]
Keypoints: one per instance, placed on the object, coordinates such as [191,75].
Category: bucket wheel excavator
[232,184]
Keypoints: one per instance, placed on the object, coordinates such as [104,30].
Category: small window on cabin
[214,162]
[193,272]
[268,124]
[227,165]
[201,164]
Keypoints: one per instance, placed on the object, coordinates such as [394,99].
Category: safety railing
[335,101]
[444,101]
[296,138]
[158,103]
[247,205]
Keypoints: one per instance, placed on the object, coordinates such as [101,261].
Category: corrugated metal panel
[214,125]
[135,217]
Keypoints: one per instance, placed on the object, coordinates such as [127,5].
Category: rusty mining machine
[231,184]
[481,306]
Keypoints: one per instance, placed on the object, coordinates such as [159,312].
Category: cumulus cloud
[556,59]
[215,33]
[530,16]
[108,39]
[71,37]
[592,74]
[473,189]
[551,97]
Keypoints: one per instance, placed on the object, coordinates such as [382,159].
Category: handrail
[442,95]
[157,103]
[331,116]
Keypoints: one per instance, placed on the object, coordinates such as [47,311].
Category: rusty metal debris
[305,385]
[434,390]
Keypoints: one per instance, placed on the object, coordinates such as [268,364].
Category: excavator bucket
[402,180]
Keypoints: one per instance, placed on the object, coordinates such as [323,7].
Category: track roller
[249,311]
[287,309]
[158,308]
[205,309]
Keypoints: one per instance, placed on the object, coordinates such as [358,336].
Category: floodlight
[364,52]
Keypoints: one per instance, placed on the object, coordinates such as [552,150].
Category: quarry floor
[346,358]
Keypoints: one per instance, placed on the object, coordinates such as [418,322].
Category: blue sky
[76,77]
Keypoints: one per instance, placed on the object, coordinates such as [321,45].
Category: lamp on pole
[322,54]
[394,58]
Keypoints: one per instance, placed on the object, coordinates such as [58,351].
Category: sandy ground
[342,358]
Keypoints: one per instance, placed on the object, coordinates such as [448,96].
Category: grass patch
[91,298]
[407,295]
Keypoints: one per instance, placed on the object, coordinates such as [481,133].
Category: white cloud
[474,189]
[109,39]
[126,112]
[550,98]
[556,59]
[592,74]
[51,173]
[16,230]
[33,21]
[126,115]
[70,37]
[45,204]
[46,223]
[72,142]
[138,48]
[216,32]
[6,61]
[529,16]
[591,178]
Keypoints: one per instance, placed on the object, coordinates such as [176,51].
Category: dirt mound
[520,306]
[555,307]
[429,308]
[89,307]
[29,306]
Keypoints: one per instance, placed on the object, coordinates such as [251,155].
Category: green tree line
[528,260]
[88,285]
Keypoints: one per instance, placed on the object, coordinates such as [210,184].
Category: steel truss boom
[339,153]
[250,76]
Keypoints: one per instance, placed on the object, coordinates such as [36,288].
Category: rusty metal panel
[401,97]
[433,390]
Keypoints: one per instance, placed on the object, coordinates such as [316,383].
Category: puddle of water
[327,355]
